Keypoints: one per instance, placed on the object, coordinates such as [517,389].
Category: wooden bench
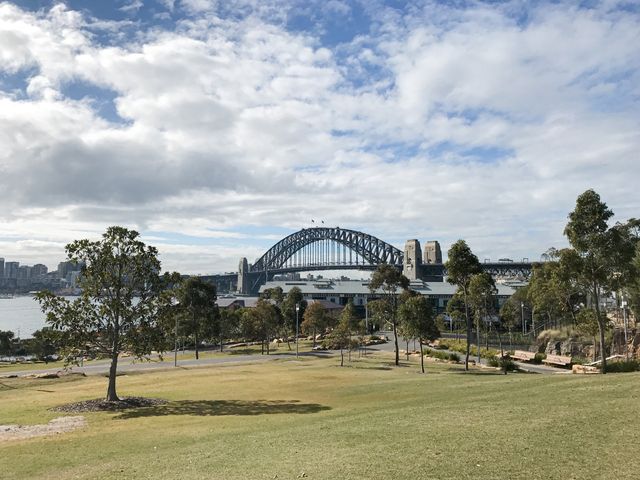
[523,355]
[557,360]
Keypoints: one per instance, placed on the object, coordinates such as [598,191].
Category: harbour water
[21,315]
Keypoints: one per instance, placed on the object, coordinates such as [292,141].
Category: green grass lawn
[309,418]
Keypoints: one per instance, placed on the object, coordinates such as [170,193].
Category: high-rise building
[11,269]
[432,252]
[38,270]
[65,267]
[1,267]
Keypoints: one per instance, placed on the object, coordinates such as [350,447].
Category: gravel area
[54,427]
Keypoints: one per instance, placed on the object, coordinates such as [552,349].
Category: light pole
[524,327]
[175,336]
[624,317]
[297,328]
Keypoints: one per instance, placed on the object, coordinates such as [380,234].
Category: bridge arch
[371,250]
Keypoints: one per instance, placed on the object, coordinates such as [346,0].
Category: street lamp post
[297,328]
[524,327]
[626,326]
[175,338]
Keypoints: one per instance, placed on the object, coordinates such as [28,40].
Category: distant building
[341,292]
[38,270]
[65,267]
[11,269]
[1,267]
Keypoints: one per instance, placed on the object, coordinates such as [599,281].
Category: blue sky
[215,128]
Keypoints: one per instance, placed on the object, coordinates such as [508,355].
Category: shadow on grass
[213,408]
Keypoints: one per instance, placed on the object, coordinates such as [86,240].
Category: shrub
[454,357]
[430,352]
[623,367]
[502,363]
[538,358]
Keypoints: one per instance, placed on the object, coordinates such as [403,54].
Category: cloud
[433,121]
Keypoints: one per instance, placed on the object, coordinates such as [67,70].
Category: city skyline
[217,128]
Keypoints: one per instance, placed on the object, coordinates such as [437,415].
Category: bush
[623,367]
[538,358]
[503,363]
[453,357]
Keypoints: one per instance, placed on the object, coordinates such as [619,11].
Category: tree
[482,294]
[603,255]
[315,320]
[510,316]
[229,321]
[197,306]
[416,321]
[290,316]
[118,308]
[260,322]
[461,265]
[456,309]
[389,279]
[587,324]
[6,342]
[350,321]
[45,343]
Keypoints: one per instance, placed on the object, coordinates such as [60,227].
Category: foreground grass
[287,418]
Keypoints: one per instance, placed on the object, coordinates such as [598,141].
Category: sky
[217,127]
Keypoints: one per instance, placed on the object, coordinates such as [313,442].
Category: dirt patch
[101,405]
[54,427]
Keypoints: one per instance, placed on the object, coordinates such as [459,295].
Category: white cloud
[235,121]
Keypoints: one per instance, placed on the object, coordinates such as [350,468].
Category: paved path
[99,367]
[527,367]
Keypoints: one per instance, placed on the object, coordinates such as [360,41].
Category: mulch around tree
[101,405]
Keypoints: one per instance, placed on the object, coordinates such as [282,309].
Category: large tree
[461,265]
[198,310]
[603,254]
[482,298]
[417,321]
[118,308]
[390,280]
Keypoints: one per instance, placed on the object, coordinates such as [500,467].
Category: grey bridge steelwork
[334,248]
[319,248]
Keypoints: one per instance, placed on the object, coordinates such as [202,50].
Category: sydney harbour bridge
[335,248]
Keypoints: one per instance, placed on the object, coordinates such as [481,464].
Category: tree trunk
[112,396]
[341,356]
[421,357]
[595,349]
[466,314]
[510,340]
[395,340]
[195,336]
[221,340]
[314,337]
[407,340]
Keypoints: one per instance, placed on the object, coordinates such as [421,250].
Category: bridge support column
[243,276]
[412,259]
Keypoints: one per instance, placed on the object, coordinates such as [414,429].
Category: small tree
[118,308]
[6,342]
[416,321]
[350,321]
[389,279]
[197,304]
[461,265]
[315,320]
[45,343]
[292,298]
